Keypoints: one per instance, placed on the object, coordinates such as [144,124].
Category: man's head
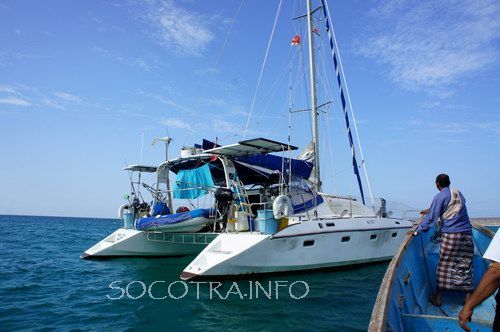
[442,181]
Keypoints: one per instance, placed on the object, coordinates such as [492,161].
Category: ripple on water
[46,285]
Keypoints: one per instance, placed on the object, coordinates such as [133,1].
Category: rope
[427,273]
[262,68]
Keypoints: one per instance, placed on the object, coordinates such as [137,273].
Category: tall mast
[314,114]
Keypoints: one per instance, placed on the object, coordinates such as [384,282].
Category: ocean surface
[45,285]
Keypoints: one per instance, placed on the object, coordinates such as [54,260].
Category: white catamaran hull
[130,242]
[303,246]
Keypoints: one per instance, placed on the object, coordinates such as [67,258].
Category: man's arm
[432,215]
[487,286]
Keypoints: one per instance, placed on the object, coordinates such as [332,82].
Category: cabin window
[394,234]
[320,225]
[330,224]
[308,243]
[373,237]
[346,238]
[397,222]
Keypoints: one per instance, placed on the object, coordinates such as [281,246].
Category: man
[487,286]
[454,271]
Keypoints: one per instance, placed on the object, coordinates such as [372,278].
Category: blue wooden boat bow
[403,300]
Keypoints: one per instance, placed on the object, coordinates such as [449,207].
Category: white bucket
[242,221]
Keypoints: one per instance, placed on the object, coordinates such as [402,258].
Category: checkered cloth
[454,271]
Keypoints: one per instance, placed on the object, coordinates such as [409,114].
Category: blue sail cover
[192,183]
[299,168]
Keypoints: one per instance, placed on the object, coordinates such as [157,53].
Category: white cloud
[450,127]
[207,71]
[68,97]
[14,101]
[23,95]
[236,129]
[7,89]
[166,101]
[430,44]
[185,32]
[177,123]
[225,126]
[146,63]
[52,104]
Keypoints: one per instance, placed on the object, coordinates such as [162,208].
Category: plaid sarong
[454,271]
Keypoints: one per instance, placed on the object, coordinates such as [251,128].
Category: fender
[282,207]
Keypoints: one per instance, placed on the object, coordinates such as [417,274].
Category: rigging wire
[275,88]
[262,68]
[363,162]
[328,93]
[211,72]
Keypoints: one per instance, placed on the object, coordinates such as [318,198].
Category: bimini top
[141,168]
[250,147]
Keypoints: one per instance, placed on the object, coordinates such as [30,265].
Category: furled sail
[307,154]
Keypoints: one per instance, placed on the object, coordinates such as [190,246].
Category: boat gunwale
[378,320]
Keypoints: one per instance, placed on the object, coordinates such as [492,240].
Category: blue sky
[81,81]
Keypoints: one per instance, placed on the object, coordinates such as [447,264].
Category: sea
[45,285]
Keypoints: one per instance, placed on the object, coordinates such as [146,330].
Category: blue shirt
[458,224]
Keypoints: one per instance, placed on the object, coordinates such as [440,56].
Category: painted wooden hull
[402,303]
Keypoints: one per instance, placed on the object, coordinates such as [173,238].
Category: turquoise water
[493,228]
[44,284]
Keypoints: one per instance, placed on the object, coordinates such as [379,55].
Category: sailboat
[334,231]
[154,229]
[217,175]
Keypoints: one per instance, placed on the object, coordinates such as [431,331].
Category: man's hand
[424,212]
[464,316]
[487,286]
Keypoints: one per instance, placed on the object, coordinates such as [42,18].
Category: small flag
[296,40]
[214,157]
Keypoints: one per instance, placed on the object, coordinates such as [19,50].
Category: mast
[314,114]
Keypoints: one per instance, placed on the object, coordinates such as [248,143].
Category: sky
[81,82]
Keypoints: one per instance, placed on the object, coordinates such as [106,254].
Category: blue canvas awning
[193,183]
[300,168]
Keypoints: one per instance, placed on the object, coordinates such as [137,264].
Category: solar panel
[141,168]
[251,147]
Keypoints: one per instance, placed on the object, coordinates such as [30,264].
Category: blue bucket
[267,223]
[128,220]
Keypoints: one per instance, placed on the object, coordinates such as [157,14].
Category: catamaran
[332,231]
[221,189]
